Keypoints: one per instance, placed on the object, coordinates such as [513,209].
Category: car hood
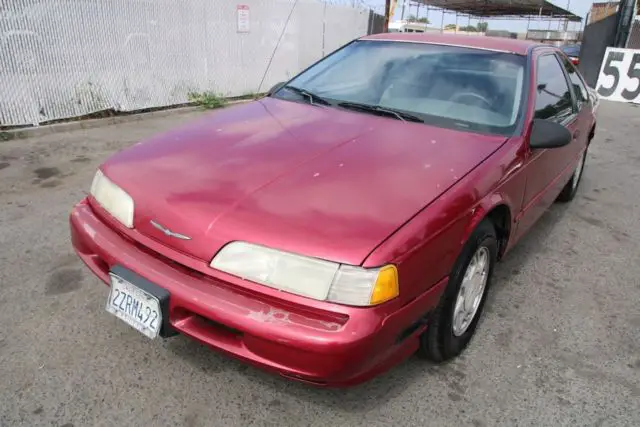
[313,180]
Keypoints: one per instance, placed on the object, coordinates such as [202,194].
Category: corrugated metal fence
[66,58]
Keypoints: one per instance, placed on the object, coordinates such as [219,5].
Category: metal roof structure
[504,8]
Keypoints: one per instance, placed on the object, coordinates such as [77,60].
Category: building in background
[556,38]
[599,11]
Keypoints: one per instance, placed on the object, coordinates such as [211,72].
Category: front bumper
[318,342]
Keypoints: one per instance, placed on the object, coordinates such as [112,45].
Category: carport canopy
[504,8]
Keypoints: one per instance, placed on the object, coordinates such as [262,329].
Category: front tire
[454,321]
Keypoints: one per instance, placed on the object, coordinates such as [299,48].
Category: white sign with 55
[619,78]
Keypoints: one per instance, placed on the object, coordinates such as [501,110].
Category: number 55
[611,69]
[634,74]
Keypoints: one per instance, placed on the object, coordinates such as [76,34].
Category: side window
[578,85]
[553,97]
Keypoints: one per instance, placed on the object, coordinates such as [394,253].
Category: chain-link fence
[634,36]
[67,58]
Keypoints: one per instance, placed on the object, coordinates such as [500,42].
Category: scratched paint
[281,317]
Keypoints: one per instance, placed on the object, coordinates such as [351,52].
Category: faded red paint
[322,182]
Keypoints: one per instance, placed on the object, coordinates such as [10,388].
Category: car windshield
[448,86]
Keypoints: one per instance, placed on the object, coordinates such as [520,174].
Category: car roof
[520,47]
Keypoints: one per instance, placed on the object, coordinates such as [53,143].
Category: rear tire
[571,189]
[448,334]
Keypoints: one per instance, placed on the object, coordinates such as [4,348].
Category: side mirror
[547,134]
[275,88]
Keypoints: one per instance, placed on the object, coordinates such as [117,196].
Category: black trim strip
[411,329]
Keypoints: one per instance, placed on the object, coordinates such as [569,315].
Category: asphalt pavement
[559,343]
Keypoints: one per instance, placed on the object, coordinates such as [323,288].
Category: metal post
[427,23]
[442,22]
[456,30]
[468,22]
[387,10]
[402,16]
[566,21]
[324,23]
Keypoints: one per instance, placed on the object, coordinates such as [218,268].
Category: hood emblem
[168,232]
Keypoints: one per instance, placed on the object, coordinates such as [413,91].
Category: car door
[546,169]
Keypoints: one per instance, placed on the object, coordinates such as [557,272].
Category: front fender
[427,246]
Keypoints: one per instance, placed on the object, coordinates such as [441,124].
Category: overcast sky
[579,7]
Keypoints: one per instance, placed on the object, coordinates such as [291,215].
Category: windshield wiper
[400,115]
[313,98]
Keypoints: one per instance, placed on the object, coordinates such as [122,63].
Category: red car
[573,53]
[351,217]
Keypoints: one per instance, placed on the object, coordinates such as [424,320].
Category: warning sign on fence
[243,18]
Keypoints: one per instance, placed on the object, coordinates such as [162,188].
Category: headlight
[310,277]
[113,199]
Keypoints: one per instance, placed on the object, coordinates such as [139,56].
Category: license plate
[135,306]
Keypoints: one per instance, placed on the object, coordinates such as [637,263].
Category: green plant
[252,95]
[207,100]
[413,18]
[6,136]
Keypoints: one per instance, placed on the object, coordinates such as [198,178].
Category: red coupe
[351,217]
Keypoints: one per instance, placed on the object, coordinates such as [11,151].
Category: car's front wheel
[454,321]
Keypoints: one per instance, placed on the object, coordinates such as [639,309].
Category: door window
[553,97]
[579,89]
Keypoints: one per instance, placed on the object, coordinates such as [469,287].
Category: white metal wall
[66,58]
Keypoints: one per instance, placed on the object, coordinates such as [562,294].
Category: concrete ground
[559,344]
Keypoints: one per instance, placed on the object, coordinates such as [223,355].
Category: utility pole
[566,21]
[387,10]
[402,16]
